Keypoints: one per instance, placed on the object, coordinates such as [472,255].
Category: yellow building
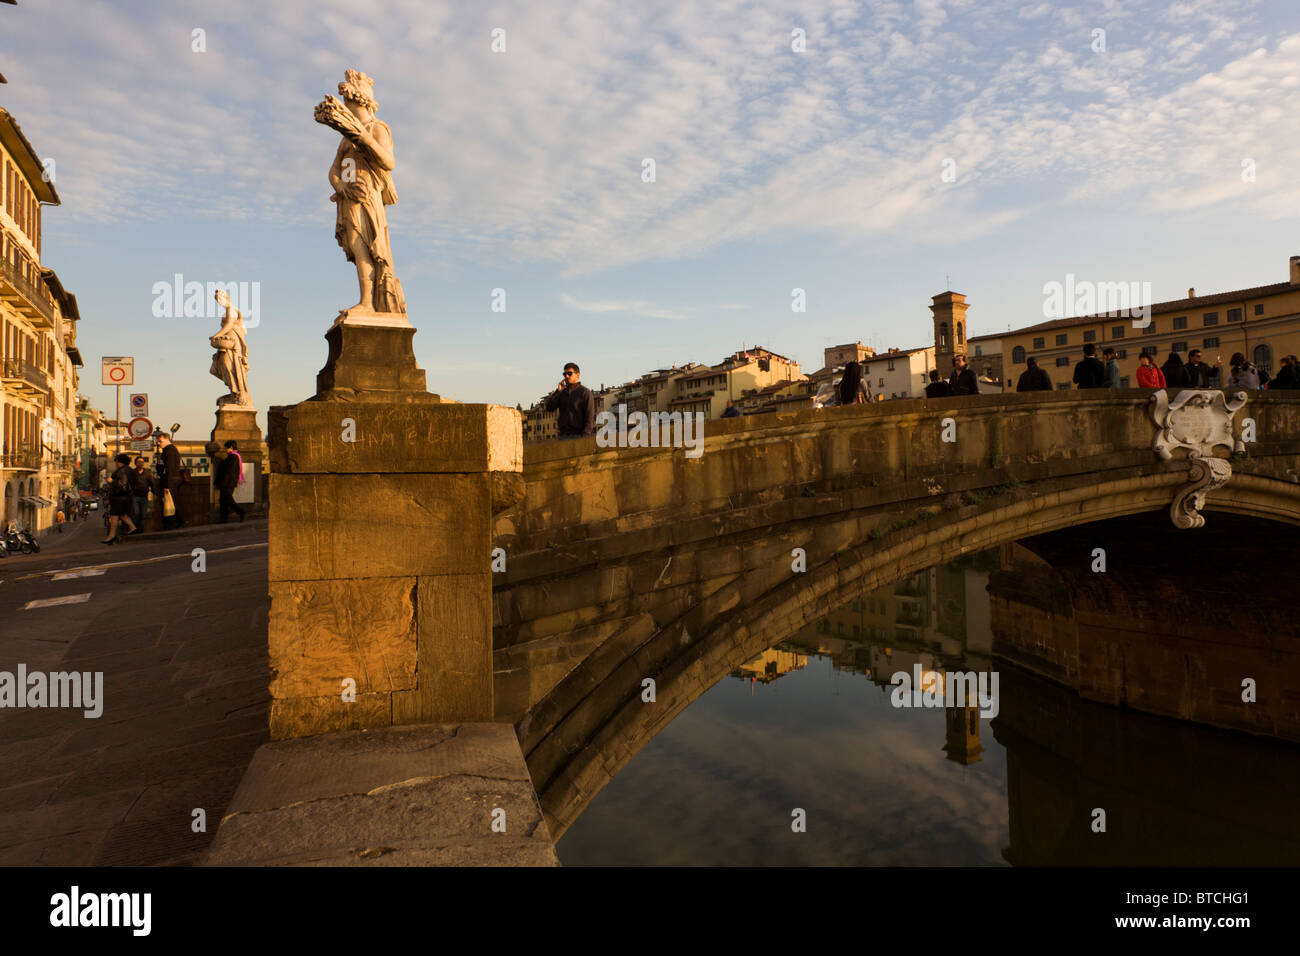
[39,454]
[1262,323]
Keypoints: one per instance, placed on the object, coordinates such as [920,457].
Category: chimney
[1191,293]
[1295,270]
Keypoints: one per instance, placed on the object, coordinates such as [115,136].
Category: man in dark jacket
[937,388]
[963,380]
[1088,372]
[576,404]
[169,480]
[1033,378]
[140,481]
[1286,377]
[226,479]
[1199,374]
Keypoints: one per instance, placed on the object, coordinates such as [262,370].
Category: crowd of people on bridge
[1091,372]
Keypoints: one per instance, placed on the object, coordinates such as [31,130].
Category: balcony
[30,297]
[26,458]
[24,377]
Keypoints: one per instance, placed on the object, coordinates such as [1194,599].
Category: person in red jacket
[1148,375]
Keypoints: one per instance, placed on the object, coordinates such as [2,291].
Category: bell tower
[949,311]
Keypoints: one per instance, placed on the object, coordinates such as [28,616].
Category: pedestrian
[1243,374]
[1286,377]
[1148,375]
[1112,367]
[1174,371]
[731,411]
[576,404]
[119,499]
[58,521]
[962,381]
[229,473]
[1199,374]
[169,482]
[141,479]
[853,389]
[1088,371]
[1033,378]
[937,388]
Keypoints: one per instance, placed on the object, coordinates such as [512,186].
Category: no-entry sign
[139,428]
[119,370]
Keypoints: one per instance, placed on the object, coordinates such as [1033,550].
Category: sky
[890,151]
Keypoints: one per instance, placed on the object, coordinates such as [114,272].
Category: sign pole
[117,424]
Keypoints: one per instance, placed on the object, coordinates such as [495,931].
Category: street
[184,664]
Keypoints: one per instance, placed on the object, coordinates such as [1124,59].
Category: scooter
[4,548]
[21,541]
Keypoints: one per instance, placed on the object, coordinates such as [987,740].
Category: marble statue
[230,363]
[363,186]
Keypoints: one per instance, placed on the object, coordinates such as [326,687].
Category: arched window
[1018,355]
[1263,358]
[943,335]
[961,334]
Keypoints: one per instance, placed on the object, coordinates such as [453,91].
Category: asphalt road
[183,658]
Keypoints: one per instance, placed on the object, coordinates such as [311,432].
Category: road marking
[125,564]
[52,602]
[69,575]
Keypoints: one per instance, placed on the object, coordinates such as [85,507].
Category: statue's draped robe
[367,218]
[230,363]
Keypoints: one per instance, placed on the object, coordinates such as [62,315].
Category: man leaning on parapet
[576,404]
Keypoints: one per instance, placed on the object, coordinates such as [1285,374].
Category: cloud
[647,309]
[535,155]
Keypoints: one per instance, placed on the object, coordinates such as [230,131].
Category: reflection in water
[809,725]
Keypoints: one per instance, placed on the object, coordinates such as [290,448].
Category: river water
[801,758]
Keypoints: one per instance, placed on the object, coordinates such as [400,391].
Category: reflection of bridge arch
[635,563]
[579,736]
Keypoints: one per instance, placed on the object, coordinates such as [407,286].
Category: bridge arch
[585,730]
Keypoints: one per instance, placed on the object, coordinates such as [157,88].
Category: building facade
[1262,323]
[38,355]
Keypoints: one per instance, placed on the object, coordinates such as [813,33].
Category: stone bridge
[628,564]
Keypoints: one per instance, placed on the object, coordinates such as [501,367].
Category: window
[1234,315]
[1211,318]
[1149,350]
[891,365]
[1090,335]
[1062,361]
[1121,353]
[1123,381]
[1062,338]
[1179,347]
[1211,343]
[1018,355]
[1149,328]
[1040,343]
[1259,309]
[1180,322]
[1062,386]
[943,335]
[882,383]
[961,334]
[1263,358]
[1117,332]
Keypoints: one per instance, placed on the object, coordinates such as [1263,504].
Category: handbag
[169,506]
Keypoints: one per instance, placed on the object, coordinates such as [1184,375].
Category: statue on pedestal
[363,186]
[230,363]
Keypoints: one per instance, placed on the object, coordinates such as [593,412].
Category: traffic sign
[139,429]
[146,445]
[119,370]
[140,405]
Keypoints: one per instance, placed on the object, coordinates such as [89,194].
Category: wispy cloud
[647,309]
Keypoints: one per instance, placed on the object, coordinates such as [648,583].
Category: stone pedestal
[381,502]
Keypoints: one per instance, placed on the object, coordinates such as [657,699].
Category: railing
[31,374]
[34,292]
[22,458]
